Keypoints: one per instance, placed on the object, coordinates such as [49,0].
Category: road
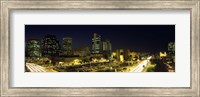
[141,66]
[35,68]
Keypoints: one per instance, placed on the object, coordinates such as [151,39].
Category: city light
[96,51]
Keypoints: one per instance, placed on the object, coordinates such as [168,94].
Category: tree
[160,66]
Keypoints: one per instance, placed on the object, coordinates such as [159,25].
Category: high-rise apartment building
[171,49]
[67,46]
[96,43]
[100,45]
[33,48]
[106,45]
[50,46]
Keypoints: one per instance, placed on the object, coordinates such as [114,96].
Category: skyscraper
[171,49]
[50,46]
[96,43]
[106,49]
[106,45]
[33,48]
[67,46]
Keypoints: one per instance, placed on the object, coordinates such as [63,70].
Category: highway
[141,66]
[35,68]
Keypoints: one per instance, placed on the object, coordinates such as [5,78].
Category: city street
[35,68]
[141,66]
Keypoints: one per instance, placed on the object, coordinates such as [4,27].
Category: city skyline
[100,48]
[146,38]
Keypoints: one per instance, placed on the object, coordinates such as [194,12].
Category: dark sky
[145,38]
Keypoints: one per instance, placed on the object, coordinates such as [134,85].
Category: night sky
[142,38]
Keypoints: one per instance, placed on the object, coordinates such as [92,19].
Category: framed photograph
[86,51]
[100,48]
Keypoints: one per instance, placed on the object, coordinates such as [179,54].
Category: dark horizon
[142,38]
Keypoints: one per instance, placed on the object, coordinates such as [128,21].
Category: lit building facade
[171,49]
[114,55]
[120,55]
[106,49]
[50,46]
[163,54]
[134,56]
[99,45]
[106,45]
[67,47]
[33,48]
[96,43]
[124,55]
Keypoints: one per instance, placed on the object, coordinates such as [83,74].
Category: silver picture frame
[8,5]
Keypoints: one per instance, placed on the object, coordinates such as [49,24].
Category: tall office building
[33,48]
[96,43]
[67,46]
[100,45]
[109,46]
[106,49]
[106,45]
[171,49]
[50,46]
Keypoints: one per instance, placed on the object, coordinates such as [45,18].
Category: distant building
[66,49]
[171,49]
[33,48]
[114,55]
[134,56]
[96,43]
[100,45]
[126,54]
[120,55]
[106,49]
[106,45]
[50,46]
[171,52]
[163,54]
[81,51]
